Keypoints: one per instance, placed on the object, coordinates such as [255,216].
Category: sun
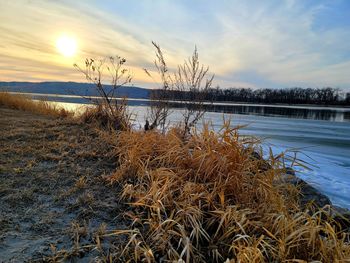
[66,45]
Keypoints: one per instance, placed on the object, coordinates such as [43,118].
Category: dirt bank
[53,200]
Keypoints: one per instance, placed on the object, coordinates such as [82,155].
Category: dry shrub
[188,84]
[208,199]
[20,102]
[108,112]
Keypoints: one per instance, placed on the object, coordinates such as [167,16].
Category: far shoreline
[215,103]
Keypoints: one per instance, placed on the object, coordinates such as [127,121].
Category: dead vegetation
[20,102]
[51,180]
[207,199]
[190,81]
[203,197]
[108,112]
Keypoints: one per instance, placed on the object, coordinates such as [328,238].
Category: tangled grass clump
[206,198]
[115,118]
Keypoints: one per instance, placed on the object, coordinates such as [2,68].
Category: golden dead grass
[206,198]
[21,102]
[112,116]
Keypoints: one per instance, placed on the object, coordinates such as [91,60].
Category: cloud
[258,44]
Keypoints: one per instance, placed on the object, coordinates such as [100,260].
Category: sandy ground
[53,200]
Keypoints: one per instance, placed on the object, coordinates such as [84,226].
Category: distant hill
[70,88]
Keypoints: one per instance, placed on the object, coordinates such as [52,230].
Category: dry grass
[208,199]
[20,102]
[203,198]
[50,174]
[100,115]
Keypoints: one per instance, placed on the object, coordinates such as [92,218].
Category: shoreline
[215,103]
[57,172]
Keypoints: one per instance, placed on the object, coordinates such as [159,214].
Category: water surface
[337,114]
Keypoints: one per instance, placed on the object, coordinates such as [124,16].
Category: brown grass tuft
[21,102]
[101,116]
[206,198]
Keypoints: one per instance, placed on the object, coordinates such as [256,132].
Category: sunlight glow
[66,45]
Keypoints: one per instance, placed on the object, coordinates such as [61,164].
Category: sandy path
[52,196]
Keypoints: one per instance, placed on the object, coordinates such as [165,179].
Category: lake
[321,135]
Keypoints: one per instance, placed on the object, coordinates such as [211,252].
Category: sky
[257,44]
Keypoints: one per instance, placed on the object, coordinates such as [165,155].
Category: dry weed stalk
[192,83]
[189,85]
[160,104]
[108,111]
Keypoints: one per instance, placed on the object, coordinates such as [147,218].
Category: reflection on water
[299,113]
[286,111]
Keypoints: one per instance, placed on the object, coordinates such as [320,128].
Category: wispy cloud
[255,43]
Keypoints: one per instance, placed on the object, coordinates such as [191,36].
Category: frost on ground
[53,201]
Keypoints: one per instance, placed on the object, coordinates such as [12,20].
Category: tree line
[319,96]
